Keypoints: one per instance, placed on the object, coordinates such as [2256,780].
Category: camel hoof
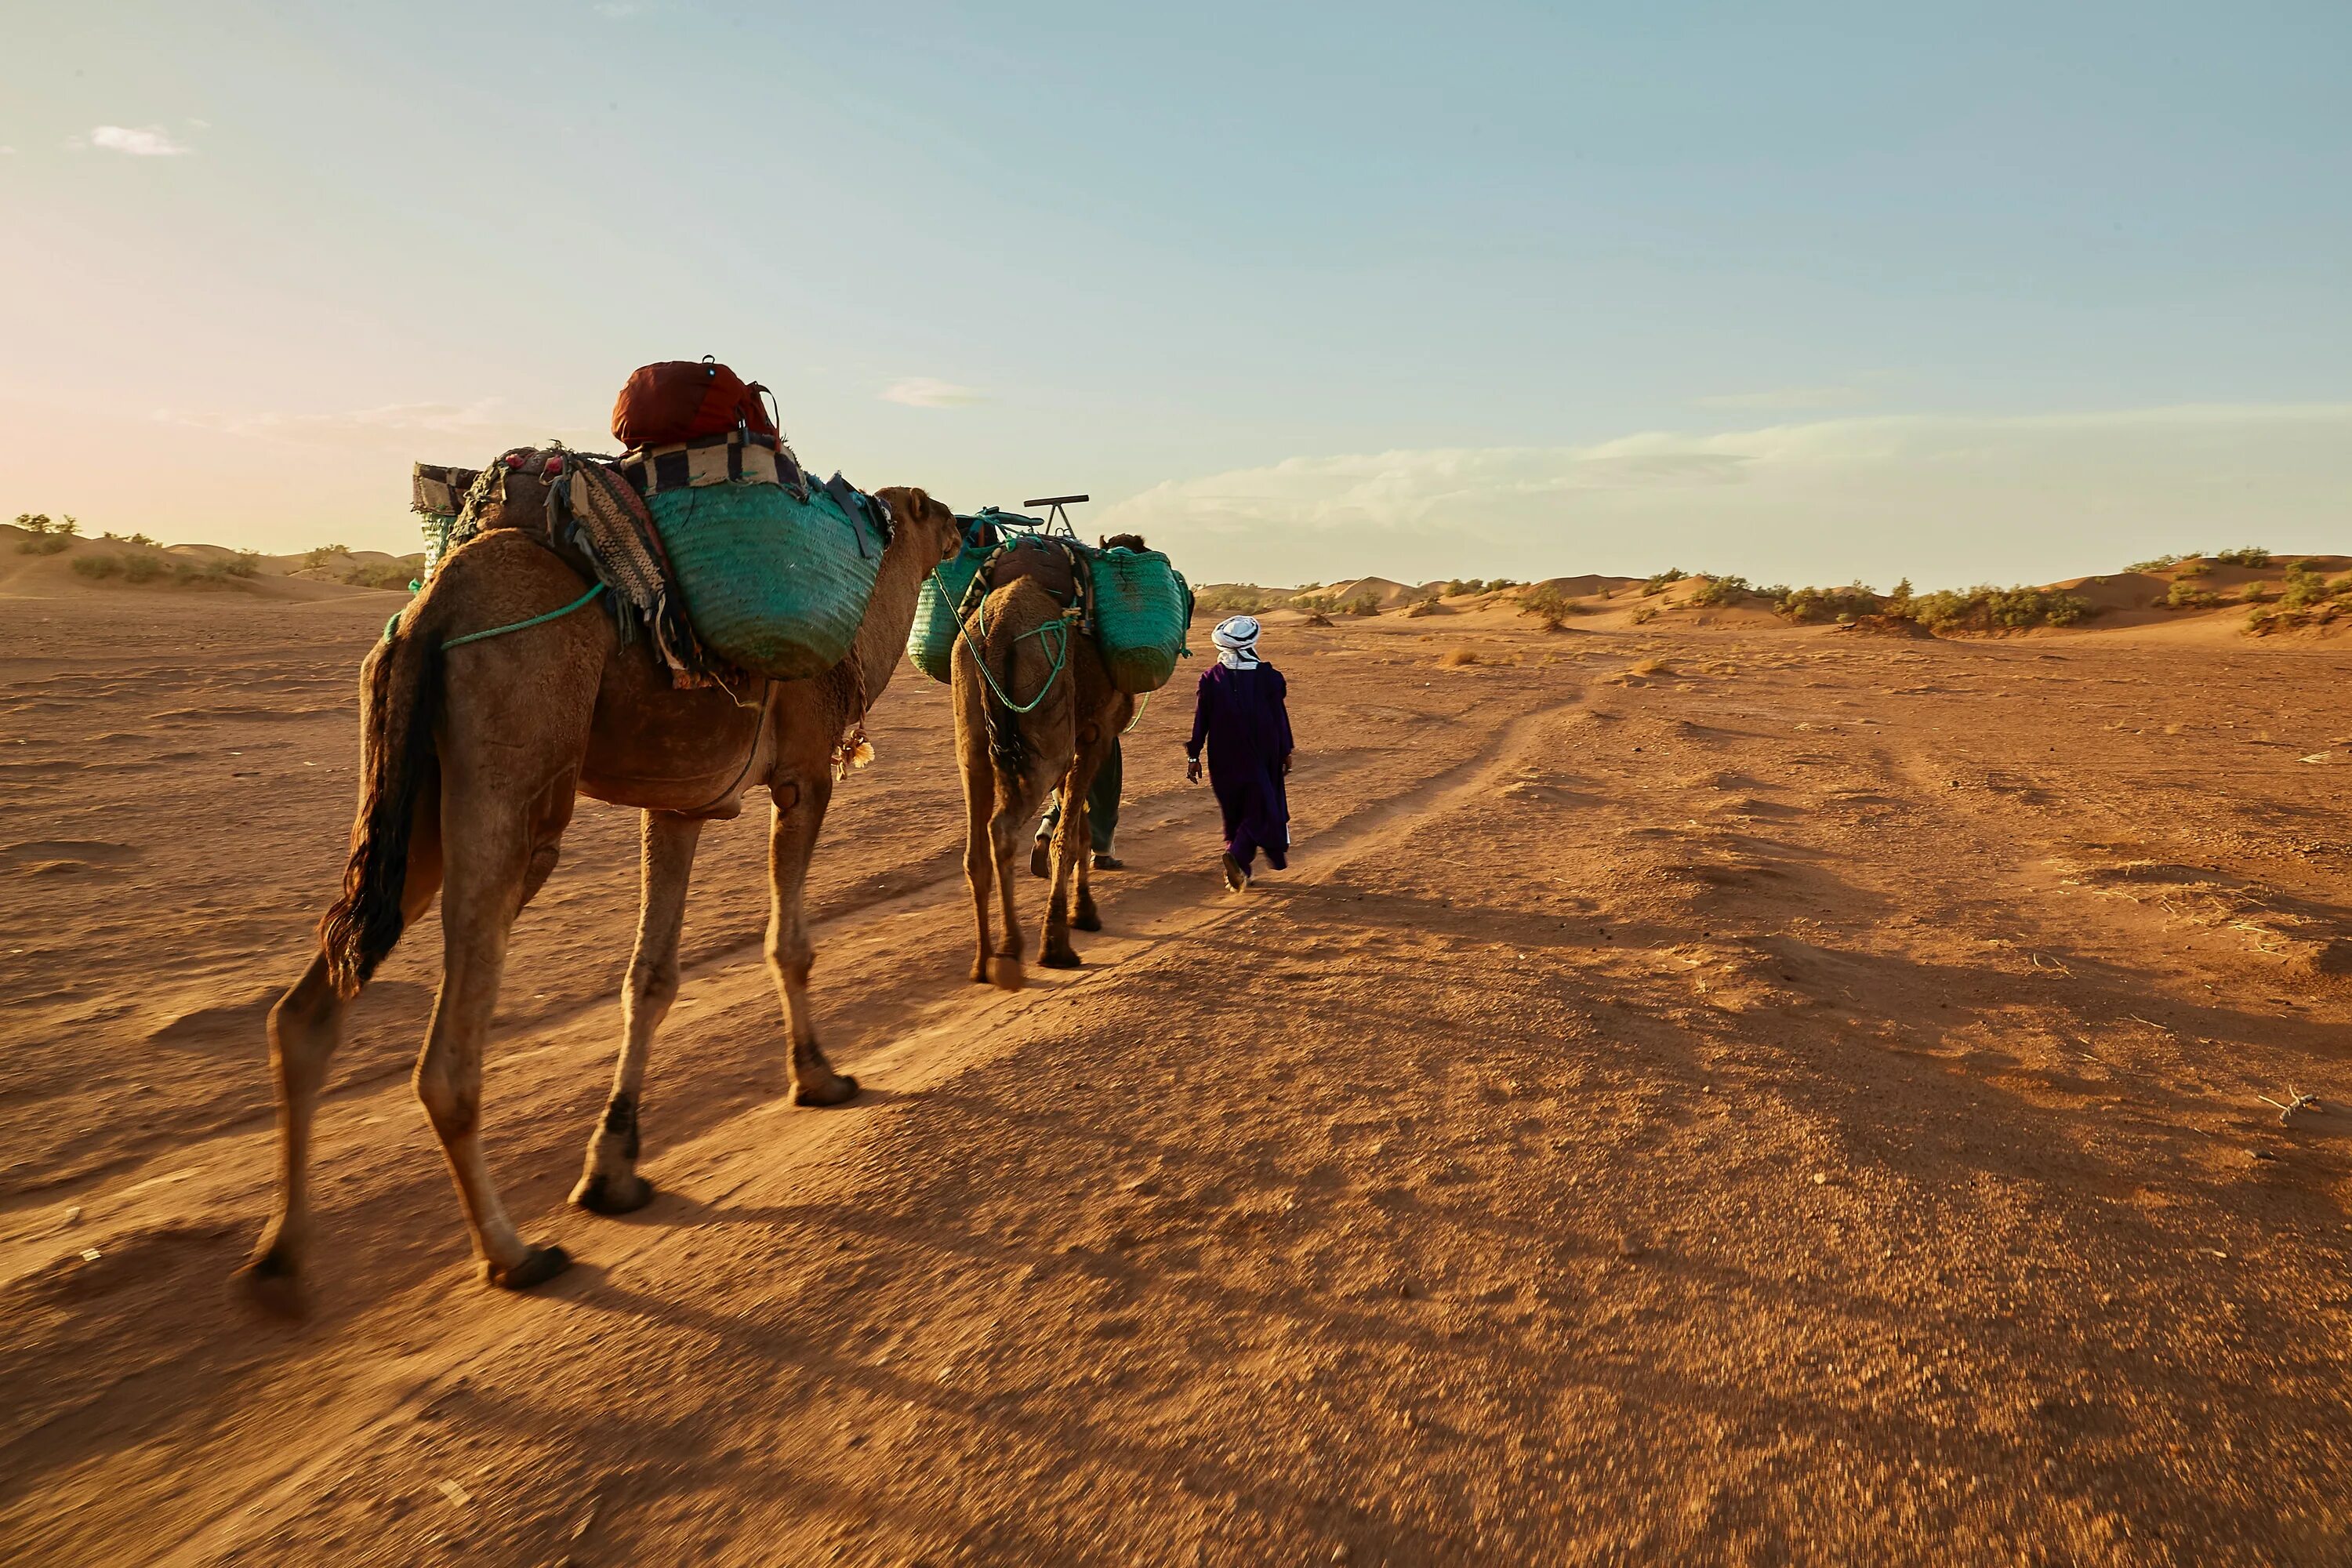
[1064,958]
[979,972]
[609,1195]
[1004,973]
[538,1266]
[269,1283]
[839,1089]
[1085,919]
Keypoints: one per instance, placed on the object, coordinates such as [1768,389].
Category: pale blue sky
[1807,292]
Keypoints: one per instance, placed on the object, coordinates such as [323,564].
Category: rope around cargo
[523,626]
[1061,652]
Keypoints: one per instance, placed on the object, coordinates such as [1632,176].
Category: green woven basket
[775,583]
[1142,605]
[931,642]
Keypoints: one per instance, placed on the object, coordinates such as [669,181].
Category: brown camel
[1034,656]
[472,756]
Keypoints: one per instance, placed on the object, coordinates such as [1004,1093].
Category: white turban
[1236,641]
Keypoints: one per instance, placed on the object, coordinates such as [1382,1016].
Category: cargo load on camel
[707,531]
[1131,599]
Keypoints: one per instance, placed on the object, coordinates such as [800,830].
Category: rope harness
[520,626]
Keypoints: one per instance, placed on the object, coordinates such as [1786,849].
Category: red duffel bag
[679,400]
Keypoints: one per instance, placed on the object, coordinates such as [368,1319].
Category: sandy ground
[1726,1094]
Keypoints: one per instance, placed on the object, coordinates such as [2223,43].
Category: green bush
[1985,608]
[97,565]
[141,568]
[1548,604]
[314,559]
[44,543]
[2193,567]
[2252,556]
[1224,599]
[1723,588]
[1364,604]
[2305,588]
[2188,597]
[1658,582]
[1826,604]
[2153,563]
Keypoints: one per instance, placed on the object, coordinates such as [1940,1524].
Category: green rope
[520,626]
[1061,651]
[1141,703]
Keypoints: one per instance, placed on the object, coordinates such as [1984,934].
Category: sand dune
[1704,1093]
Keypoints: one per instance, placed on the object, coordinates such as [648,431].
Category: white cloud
[142,141]
[925,392]
[1942,499]
[486,423]
[1789,397]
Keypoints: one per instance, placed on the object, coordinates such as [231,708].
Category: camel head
[927,527]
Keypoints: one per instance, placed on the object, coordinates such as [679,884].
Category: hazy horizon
[1810,295]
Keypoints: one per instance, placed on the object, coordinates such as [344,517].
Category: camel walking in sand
[1034,707]
[472,758]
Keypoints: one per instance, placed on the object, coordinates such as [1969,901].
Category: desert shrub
[247,563]
[1364,604]
[1458,657]
[1550,605]
[33,521]
[1658,582]
[2305,588]
[2255,594]
[1315,603]
[1723,588]
[2245,555]
[140,568]
[97,565]
[383,574]
[1236,599]
[44,544]
[1418,608]
[2194,568]
[314,559]
[2153,563]
[2188,596]
[1985,608]
[1646,667]
[1642,616]
[1827,604]
[2261,618]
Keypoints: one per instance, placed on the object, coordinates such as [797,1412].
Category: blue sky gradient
[2008,292]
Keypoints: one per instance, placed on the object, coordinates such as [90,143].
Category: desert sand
[1711,1090]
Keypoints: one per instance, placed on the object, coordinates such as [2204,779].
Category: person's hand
[1285,762]
[1191,770]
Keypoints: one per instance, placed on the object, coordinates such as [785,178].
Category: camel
[1010,759]
[472,757]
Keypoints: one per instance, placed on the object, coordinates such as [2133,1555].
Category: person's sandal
[1235,878]
[1108,863]
[1041,858]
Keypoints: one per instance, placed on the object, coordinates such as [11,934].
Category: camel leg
[1086,918]
[305,1027]
[979,800]
[1005,837]
[792,840]
[609,1183]
[494,866]
[1070,846]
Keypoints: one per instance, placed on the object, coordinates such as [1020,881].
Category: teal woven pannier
[1142,605]
[930,641]
[775,583]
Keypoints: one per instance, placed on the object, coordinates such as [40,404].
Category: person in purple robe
[1240,717]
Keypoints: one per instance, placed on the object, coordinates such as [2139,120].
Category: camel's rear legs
[610,1183]
[1004,838]
[792,840]
[305,1027]
[497,860]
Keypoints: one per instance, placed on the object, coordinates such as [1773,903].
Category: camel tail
[999,653]
[400,695]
